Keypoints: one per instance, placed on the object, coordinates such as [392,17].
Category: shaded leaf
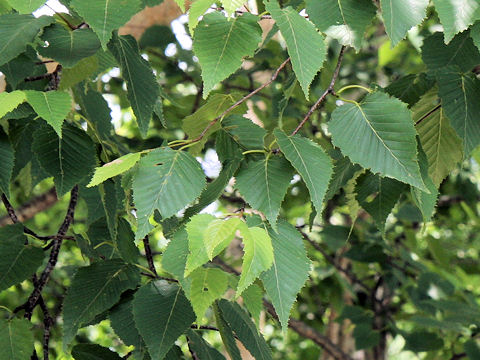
[142,88]
[93,352]
[226,334]
[94,289]
[162,313]
[201,348]
[6,164]
[69,159]
[245,329]
[16,339]
[246,133]
[460,51]
[459,93]
[17,260]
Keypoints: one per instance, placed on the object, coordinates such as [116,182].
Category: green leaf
[472,349]
[69,159]
[104,16]
[378,196]
[7,163]
[82,70]
[226,334]
[108,193]
[125,242]
[459,93]
[16,339]
[17,260]
[26,6]
[253,300]
[441,144]
[221,44]
[456,16]
[421,340]
[142,88]
[378,134]
[475,34]
[264,184]
[257,258]
[342,172]
[400,16]
[218,234]
[95,109]
[10,100]
[425,202]
[344,20]
[17,32]
[231,5]
[305,45]
[289,272]
[68,47]
[201,348]
[244,131]
[311,162]
[197,9]
[52,106]
[162,313]
[194,124]
[196,243]
[460,51]
[208,284]
[166,180]
[94,289]
[245,329]
[93,352]
[174,258]
[410,88]
[114,168]
[123,323]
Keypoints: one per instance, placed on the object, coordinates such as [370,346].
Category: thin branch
[428,114]
[352,277]
[52,261]
[149,256]
[241,101]
[33,207]
[328,91]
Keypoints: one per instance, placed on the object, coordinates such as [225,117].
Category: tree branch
[241,101]
[149,256]
[328,91]
[31,208]
[52,261]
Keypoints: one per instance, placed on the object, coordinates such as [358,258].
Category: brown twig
[241,101]
[328,91]
[31,208]
[52,261]
[149,255]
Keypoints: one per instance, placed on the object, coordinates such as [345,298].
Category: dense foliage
[300,183]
